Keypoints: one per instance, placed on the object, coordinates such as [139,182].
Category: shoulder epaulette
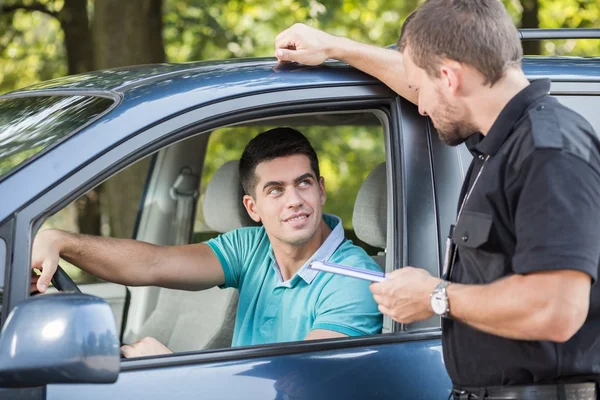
[544,128]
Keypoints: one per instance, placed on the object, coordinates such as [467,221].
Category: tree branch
[8,9]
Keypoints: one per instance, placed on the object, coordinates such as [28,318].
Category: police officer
[521,316]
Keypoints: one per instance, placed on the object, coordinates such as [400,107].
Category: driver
[280,299]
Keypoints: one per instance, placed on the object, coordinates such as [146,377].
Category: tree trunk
[530,19]
[75,24]
[126,33]
[78,37]
[89,215]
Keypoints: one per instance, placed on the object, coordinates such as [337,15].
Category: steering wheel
[63,283]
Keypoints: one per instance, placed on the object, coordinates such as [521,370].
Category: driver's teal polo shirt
[271,310]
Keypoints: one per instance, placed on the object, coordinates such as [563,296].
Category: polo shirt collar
[510,114]
[323,253]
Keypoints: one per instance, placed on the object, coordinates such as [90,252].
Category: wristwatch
[439,300]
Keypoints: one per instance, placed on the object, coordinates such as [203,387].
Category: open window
[199,175]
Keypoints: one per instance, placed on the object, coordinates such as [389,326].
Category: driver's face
[288,199]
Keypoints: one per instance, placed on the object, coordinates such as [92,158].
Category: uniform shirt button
[540,108]
[481,157]
[465,238]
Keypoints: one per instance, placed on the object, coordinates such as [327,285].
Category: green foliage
[32,42]
[564,14]
[207,29]
[31,49]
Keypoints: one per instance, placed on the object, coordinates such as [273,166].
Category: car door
[406,362]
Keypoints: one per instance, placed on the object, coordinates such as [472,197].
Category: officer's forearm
[384,64]
[541,306]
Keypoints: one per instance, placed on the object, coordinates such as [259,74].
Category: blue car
[62,138]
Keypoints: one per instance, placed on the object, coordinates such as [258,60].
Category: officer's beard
[452,129]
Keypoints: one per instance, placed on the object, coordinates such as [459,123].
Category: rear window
[28,125]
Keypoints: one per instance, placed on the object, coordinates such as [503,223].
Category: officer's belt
[566,391]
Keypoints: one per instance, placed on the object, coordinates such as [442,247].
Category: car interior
[193,193]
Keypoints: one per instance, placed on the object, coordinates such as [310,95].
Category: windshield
[29,125]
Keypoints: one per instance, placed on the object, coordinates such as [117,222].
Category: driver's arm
[323,334]
[126,261]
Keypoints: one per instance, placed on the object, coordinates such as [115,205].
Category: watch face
[438,305]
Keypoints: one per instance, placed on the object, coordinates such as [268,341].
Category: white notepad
[366,274]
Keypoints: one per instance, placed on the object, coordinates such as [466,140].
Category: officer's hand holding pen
[404,295]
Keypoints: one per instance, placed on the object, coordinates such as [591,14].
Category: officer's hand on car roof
[44,257]
[303,44]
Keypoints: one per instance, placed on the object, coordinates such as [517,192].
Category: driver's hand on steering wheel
[44,257]
[148,346]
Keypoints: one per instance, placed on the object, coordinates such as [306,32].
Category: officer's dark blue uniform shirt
[535,207]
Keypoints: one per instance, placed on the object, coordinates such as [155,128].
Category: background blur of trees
[45,39]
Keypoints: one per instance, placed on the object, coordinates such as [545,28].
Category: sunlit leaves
[31,50]
[564,14]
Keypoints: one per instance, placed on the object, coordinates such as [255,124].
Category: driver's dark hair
[271,144]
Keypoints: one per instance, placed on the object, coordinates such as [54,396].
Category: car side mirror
[59,338]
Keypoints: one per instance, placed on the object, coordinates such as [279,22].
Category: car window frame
[203,120]
[6,231]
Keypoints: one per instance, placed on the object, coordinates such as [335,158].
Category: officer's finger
[384,288]
[386,311]
[290,55]
[289,40]
[282,35]
[376,288]
[384,301]
[48,269]
[398,273]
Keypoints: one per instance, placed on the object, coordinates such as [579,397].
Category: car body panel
[377,371]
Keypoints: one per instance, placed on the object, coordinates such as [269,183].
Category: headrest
[369,217]
[223,208]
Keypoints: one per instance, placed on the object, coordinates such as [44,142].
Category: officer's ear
[452,75]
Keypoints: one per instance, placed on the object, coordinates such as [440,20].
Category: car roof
[208,74]
[166,79]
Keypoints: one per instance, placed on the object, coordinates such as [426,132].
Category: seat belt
[185,192]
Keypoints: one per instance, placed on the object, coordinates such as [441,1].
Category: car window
[28,125]
[587,106]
